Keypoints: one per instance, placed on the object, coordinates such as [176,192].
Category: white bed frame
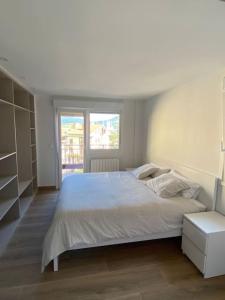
[163,235]
[208,197]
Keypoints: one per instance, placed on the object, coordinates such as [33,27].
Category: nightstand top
[208,222]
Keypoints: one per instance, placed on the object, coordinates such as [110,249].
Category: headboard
[207,180]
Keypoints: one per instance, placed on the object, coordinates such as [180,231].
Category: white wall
[130,153]
[45,141]
[184,125]
[139,133]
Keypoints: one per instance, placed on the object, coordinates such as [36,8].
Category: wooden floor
[148,270]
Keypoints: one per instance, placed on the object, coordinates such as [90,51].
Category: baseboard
[47,188]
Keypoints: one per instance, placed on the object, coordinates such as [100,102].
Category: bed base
[170,234]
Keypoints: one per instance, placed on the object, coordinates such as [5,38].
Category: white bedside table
[203,241]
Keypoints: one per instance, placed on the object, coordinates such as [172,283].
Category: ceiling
[110,48]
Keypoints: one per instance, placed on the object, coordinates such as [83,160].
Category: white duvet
[94,208]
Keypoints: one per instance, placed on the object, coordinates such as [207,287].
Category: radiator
[105,165]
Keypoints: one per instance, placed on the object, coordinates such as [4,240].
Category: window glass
[104,131]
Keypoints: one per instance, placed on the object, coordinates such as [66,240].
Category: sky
[101,117]
[71,119]
[94,117]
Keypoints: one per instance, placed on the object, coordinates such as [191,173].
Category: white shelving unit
[18,169]
[5,155]
[5,180]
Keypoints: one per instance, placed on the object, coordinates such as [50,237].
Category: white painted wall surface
[130,153]
[184,125]
[139,130]
[45,141]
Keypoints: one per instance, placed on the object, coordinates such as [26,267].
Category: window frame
[89,135]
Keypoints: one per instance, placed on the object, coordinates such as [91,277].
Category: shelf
[21,97]
[18,107]
[5,205]
[33,154]
[5,102]
[31,98]
[7,129]
[32,120]
[23,185]
[32,137]
[5,180]
[6,88]
[5,155]
[17,154]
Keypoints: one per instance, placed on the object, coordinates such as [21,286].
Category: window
[104,131]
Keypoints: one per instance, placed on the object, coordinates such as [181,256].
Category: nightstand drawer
[195,235]
[195,255]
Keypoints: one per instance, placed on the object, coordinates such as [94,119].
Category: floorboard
[139,271]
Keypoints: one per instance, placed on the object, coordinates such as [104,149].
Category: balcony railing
[72,156]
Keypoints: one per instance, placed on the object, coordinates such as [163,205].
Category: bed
[97,209]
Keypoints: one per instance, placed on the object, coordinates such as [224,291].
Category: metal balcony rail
[72,156]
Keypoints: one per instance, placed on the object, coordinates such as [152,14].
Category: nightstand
[203,241]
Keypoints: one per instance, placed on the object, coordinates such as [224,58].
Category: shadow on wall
[220,203]
[149,108]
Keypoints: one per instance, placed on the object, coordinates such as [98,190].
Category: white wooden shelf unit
[18,179]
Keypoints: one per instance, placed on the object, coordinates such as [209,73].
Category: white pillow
[194,188]
[167,185]
[160,171]
[144,171]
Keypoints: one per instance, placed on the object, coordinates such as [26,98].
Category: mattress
[94,208]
